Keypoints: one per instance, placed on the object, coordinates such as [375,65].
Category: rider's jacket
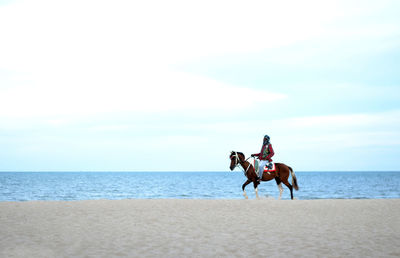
[266,153]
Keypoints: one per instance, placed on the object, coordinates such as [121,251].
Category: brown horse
[281,174]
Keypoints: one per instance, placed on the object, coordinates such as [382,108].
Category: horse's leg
[244,191]
[289,186]
[279,183]
[255,183]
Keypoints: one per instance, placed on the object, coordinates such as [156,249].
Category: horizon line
[170,171]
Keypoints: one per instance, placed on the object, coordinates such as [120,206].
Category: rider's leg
[261,166]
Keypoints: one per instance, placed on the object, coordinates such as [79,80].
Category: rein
[238,162]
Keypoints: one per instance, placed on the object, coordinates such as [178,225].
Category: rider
[264,156]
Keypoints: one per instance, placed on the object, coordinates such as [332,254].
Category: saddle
[267,169]
[271,169]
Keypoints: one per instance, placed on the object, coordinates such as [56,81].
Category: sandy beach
[200,228]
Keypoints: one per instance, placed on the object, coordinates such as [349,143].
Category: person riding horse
[264,156]
[281,174]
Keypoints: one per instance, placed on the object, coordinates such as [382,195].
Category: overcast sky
[177,85]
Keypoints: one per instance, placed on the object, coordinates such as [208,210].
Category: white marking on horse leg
[280,190]
[245,195]
[256,190]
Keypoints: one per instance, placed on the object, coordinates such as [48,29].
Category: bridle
[237,158]
[236,155]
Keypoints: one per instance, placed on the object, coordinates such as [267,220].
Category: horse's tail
[294,179]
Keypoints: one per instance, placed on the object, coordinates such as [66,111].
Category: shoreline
[251,198]
[201,228]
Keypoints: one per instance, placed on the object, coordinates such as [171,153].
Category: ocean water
[26,186]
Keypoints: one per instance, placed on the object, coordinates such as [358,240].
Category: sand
[200,228]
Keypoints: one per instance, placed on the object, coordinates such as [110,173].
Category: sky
[178,85]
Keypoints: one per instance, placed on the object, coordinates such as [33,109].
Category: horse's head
[236,158]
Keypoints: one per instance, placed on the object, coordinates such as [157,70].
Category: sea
[70,186]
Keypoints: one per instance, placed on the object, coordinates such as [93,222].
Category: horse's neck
[248,168]
[245,165]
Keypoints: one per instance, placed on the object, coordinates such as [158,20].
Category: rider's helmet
[266,139]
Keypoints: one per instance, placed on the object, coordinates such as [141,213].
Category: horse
[281,174]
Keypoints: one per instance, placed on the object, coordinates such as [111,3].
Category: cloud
[144,91]
[88,57]
[313,133]
[338,132]
[336,122]
[57,34]
[102,78]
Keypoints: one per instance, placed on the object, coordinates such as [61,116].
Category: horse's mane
[239,153]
